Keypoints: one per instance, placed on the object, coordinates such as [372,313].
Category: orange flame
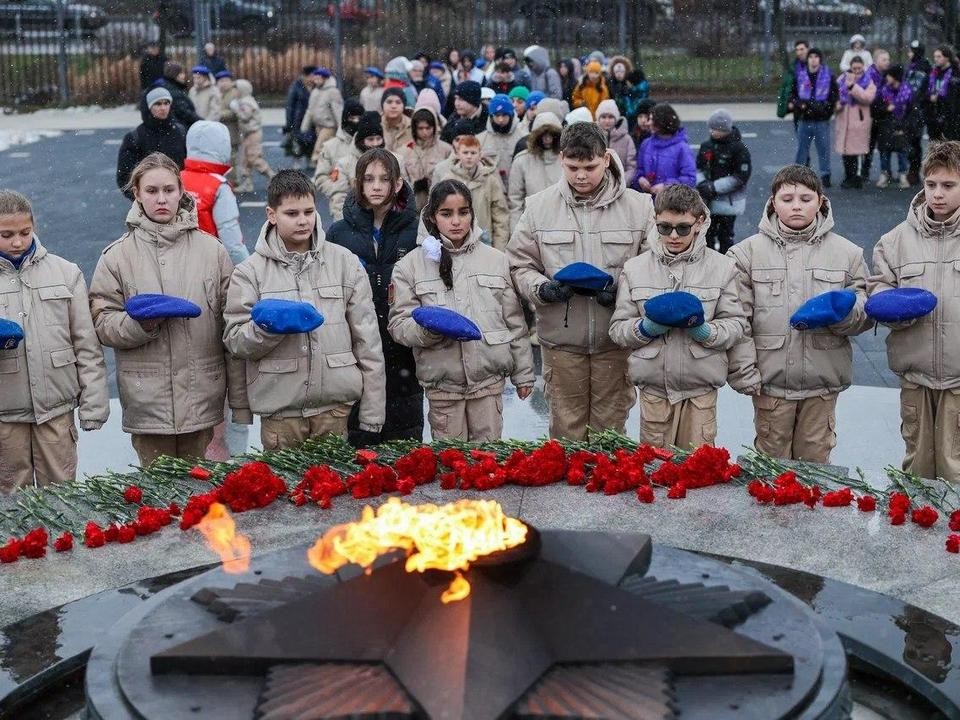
[446,537]
[220,532]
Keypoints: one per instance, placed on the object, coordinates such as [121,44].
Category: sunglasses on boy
[666,229]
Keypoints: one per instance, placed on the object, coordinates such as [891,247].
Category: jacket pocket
[709,297]
[558,249]
[767,287]
[827,341]
[769,342]
[146,395]
[278,366]
[699,351]
[824,280]
[342,381]
[331,304]
[62,358]
[618,247]
[432,292]
[650,350]
[209,390]
[9,365]
[911,274]
[55,304]
[639,295]
[490,291]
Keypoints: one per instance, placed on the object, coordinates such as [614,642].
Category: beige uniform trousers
[475,419]
[587,391]
[796,429]
[323,134]
[930,425]
[47,452]
[688,423]
[278,433]
[184,445]
[250,158]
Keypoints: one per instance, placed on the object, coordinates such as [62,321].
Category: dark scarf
[18,261]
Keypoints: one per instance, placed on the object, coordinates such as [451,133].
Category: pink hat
[608,107]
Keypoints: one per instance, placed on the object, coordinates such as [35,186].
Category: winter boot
[904,181]
[826,181]
[884,179]
[853,182]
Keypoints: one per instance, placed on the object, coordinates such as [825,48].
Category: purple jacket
[666,160]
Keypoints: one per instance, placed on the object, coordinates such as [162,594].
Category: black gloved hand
[706,190]
[607,297]
[363,438]
[553,291]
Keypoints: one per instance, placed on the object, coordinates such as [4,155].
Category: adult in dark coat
[398,236]
[151,66]
[210,60]
[157,133]
[175,81]
[469,111]
[297,143]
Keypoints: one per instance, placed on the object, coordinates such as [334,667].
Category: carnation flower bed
[123,508]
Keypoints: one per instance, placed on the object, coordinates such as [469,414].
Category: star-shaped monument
[477,658]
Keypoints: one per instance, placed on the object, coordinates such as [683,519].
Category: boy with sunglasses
[678,369]
[795,256]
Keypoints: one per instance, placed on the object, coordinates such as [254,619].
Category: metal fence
[79,54]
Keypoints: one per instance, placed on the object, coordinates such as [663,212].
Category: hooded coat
[852,123]
[338,149]
[589,94]
[618,139]
[248,109]
[398,237]
[181,109]
[619,89]
[420,160]
[542,76]
[534,169]
[324,108]
[172,379]
[151,135]
[206,100]
[675,366]
[725,163]
[923,253]
[778,271]
[498,145]
[667,160]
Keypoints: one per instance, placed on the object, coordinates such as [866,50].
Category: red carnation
[126,534]
[405,485]
[645,494]
[953,543]
[838,498]
[866,503]
[924,517]
[955,521]
[365,457]
[133,495]
[677,491]
[93,535]
[35,543]
[110,534]
[174,510]
[898,518]
[63,543]
[11,551]
[200,473]
[899,504]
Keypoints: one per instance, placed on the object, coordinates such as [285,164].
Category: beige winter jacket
[324,107]
[227,116]
[675,366]
[483,292]
[172,380]
[921,252]
[534,169]
[308,373]
[396,137]
[557,229]
[247,109]
[419,161]
[777,271]
[206,100]
[490,210]
[59,364]
[499,146]
[337,151]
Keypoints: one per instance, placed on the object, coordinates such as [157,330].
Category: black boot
[826,181]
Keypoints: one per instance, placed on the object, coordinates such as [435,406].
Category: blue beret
[446,322]
[900,304]
[286,317]
[200,70]
[501,104]
[824,309]
[10,334]
[148,306]
[584,278]
[223,74]
[376,72]
[675,309]
[322,72]
[436,65]
[534,98]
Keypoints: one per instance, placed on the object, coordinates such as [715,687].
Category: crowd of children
[633,281]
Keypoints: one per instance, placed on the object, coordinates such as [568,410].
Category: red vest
[202,179]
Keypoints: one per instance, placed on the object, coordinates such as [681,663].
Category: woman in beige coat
[424,152]
[464,381]
[851,130]
[171,373]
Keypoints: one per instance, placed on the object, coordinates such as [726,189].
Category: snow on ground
[11,138]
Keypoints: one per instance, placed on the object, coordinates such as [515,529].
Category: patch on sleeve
[391,294]
[745,167]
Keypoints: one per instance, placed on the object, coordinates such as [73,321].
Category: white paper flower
[431,248]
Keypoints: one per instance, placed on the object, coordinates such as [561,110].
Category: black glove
[607,297]
[553,291]
[364,438]
[706,190]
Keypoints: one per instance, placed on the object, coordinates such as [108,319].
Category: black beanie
[368,126]
[896,72]
[393,92]
[351,108]
[469,91]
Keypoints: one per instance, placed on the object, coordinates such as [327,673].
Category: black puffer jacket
[182,110]
[398,237]
[152,135]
